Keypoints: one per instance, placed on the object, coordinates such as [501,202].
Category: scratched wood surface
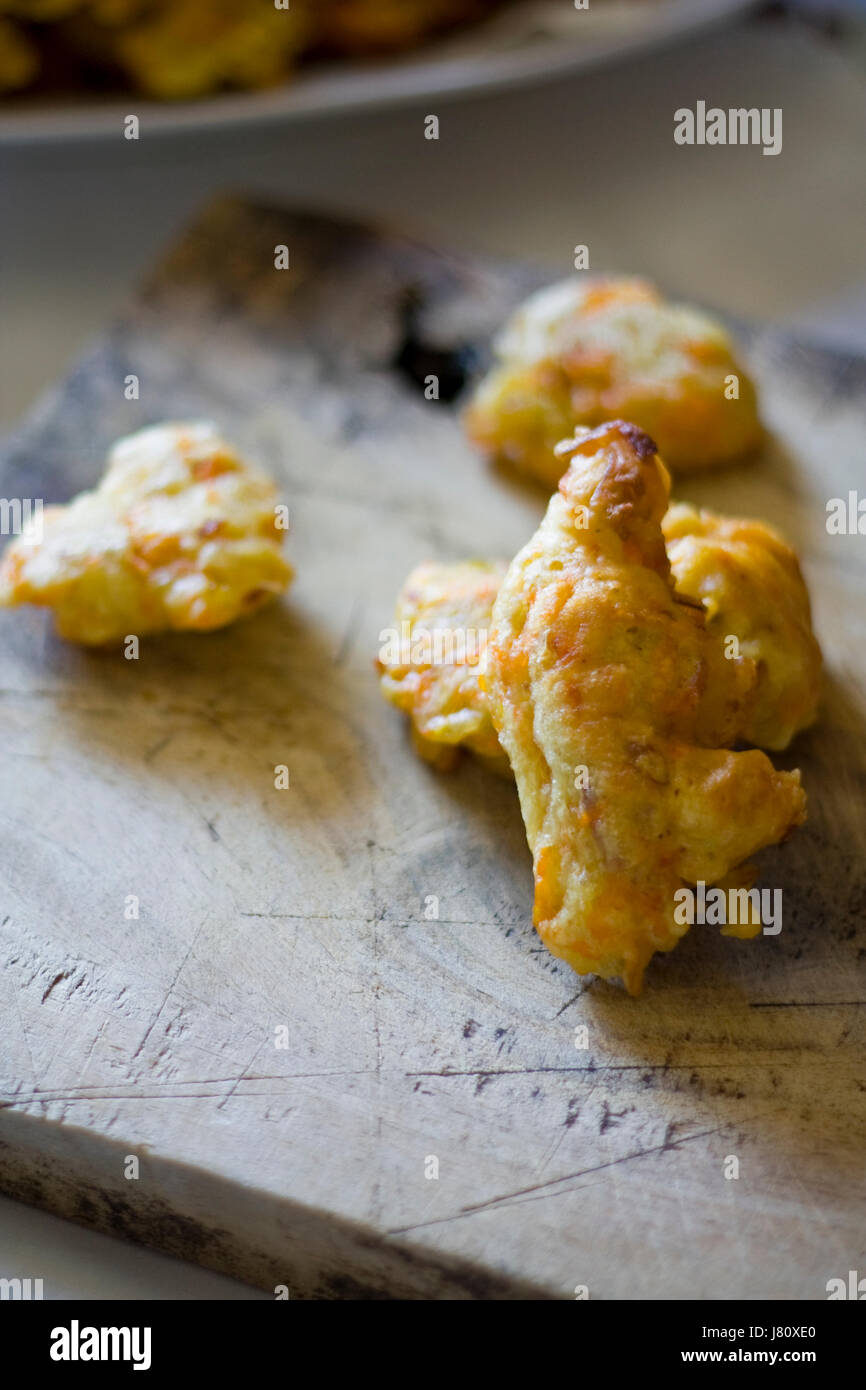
[408,1039]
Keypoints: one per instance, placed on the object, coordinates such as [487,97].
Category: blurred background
[541,147]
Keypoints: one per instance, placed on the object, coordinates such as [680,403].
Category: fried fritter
[615,707]
[431,661]
[588,350]
[180,533]
[749,582]
[742,572]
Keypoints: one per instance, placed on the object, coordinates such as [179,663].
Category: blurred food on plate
[182,49]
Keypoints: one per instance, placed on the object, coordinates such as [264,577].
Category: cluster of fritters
[638,655]
[181,49]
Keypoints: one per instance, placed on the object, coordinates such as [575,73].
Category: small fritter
[742,572]
[616,707]
[588,350]
[749,582]
[431,661]
[180,533]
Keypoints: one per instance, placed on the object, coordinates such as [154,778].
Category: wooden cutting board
[411,1043]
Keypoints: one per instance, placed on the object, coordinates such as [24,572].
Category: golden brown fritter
[616,706]
[746,577]
[588,350]
[431,660]
[749,582]
[180,533]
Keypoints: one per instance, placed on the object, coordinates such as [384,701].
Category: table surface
[529,174]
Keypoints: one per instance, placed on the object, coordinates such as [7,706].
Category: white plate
[527,43]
